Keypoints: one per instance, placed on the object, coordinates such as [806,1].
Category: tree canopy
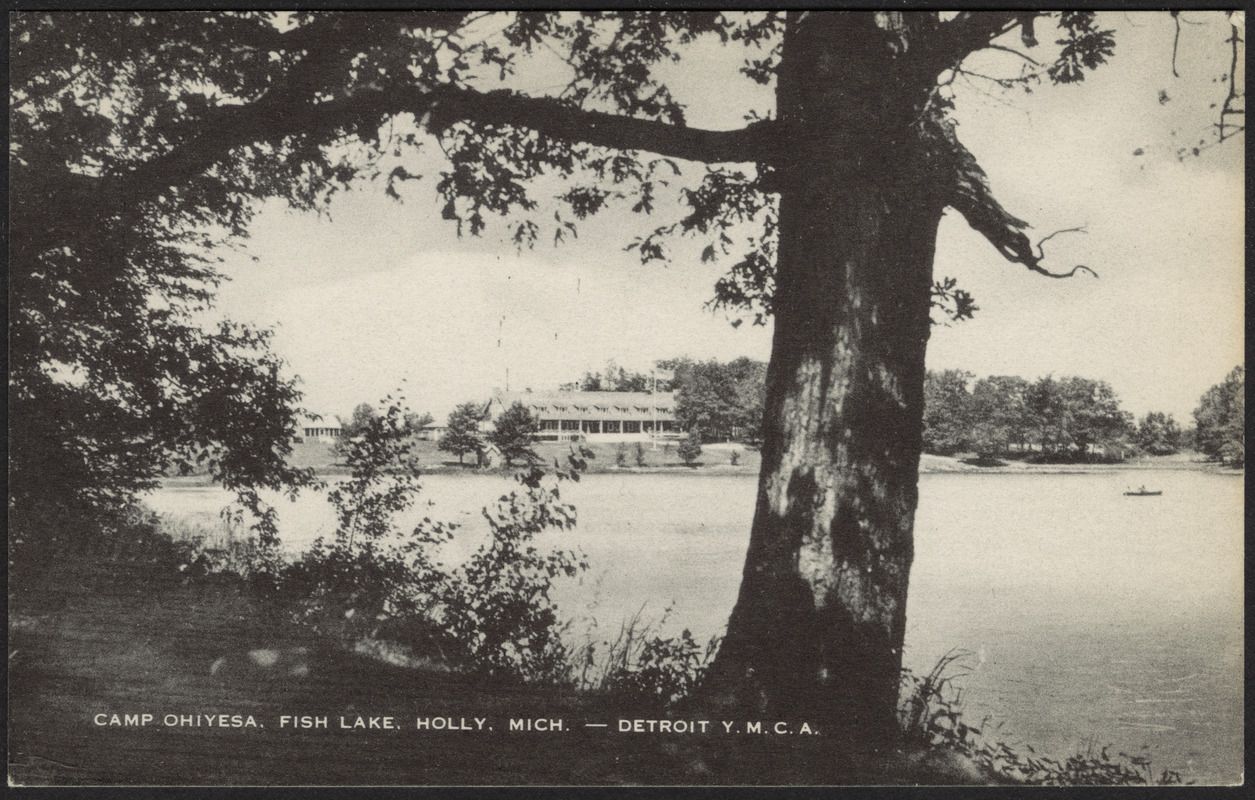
[512,434]
[724,400]
[1057,418]
[615,379]
[359,421]
[114,378]
[1159,434]
[1221,420]
[462,435]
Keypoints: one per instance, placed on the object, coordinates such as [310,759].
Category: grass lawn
[608,457]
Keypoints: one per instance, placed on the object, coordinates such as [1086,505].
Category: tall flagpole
[653,402]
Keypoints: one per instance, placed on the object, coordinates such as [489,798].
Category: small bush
[370,572]
[690,448]
[640,667]
[76,547]
[665,671]
[620,456]
[496,607]
[640,454]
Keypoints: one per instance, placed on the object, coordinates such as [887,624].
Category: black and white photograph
[649,397]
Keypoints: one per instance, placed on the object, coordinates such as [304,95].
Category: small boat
[1143,492]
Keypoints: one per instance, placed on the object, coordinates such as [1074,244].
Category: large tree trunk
[817,630]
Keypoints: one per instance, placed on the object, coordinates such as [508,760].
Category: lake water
[1091,617]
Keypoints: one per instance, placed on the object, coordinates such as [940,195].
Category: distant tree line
[364,414]
[1066,418]
[618,379]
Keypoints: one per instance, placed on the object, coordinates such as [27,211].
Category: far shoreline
[929,465]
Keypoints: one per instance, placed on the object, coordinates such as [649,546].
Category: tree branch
[1229,109]
[955,40]
[562,121]
[1044,239]
[971,197]
[278,116]
[1014,52]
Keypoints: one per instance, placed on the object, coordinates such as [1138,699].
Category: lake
[1091,618]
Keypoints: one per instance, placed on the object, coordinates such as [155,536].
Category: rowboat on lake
[1142,492]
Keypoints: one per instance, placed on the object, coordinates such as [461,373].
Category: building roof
[328,421]
[594,405]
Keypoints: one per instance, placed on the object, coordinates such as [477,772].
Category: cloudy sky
[380,291]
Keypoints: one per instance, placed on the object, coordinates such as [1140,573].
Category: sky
[378,294]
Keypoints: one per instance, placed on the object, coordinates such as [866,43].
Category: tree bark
[818,626]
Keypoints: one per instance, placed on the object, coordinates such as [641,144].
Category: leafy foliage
[690,447]
[1064,418]
[496,608]
[1220,420]
[999,416]
[462,435]
[513,434]
[947,412]
[724,400]
[1085,47]
[372,572]
[157,134]
[113,379]
[360,421]
[491,615]
[954,303]
[1159,434]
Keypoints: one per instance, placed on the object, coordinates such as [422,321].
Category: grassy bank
[185,652]
[607,457]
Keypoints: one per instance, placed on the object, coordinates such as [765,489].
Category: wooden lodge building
[324,430]
[596,416]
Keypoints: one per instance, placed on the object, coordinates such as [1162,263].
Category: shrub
[690,448]
[640,454]
[496,607]
[126,547]
[665,671]
[620,456]
[492,616]
[640,667]
[370,572]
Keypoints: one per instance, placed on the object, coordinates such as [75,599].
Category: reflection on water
[1091,617]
